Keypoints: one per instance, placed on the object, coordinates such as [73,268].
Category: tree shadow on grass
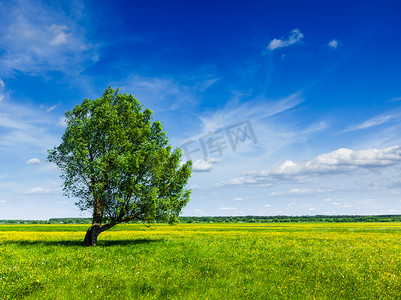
[75,243]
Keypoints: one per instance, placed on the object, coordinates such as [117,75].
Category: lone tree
[119,165]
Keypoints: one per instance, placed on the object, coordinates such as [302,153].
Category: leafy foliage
[118,163]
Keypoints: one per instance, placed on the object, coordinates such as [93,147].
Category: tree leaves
[118,162]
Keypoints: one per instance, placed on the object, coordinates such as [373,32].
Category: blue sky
[308,91]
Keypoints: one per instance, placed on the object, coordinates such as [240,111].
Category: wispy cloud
[257,109]
[165,93]
[51,108]
[36,38]
[40,191]
[242,122]
[341,161]
[302,191]
[2,86]
[227,208]
[375,121]
[294,37]
[25,128]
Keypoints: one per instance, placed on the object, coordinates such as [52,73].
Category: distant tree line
[50,221]
[233,219]
[293,219]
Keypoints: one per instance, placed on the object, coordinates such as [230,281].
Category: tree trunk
[91,235]
[94,231]
[97,227]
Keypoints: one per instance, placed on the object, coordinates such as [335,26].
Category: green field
[203,261]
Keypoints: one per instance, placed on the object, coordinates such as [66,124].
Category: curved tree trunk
[94,231]
[91,235]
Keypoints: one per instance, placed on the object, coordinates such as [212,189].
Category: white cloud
[2,86]
[205,84]
[294,37]
[164,93]
[238,199]
[60,36]
[333,44]
[341,161]
[3,201]
[51,108]
[344,160]
[40,191]
[257,109]
[27,128]
[227,208]
[36,38]
[395,99]
[301,191]
[375,121]
[33,161]
[267,205]
[201,165]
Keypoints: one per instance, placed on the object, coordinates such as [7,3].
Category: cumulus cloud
[33,161]
[201,165]
[294,37]
[333,44]
[2,85]
[341,161]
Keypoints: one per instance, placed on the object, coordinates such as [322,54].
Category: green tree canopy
[119,165]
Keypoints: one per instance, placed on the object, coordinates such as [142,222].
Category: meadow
[203,261]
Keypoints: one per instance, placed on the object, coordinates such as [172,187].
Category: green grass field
[203,261]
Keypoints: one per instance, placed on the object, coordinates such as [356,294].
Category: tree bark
[91,235]
[94,231]
[97,227]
